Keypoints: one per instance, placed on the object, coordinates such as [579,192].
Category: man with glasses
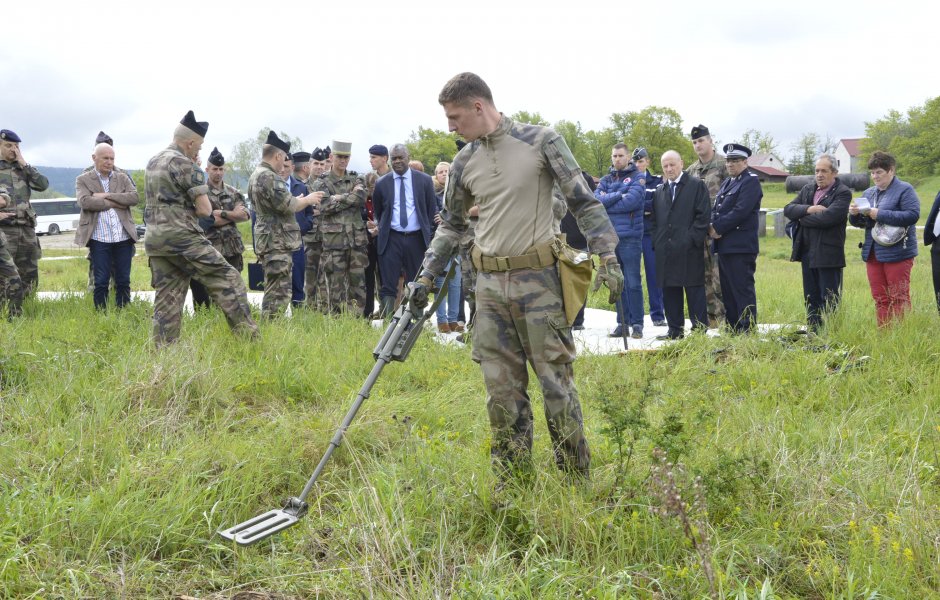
[345,240]
[734,231]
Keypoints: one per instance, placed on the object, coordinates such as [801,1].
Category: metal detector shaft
[623,324]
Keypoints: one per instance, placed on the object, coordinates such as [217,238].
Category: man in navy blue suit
[404,205]
[734,231]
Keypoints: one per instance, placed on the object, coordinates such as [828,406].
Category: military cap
[342,148]
[640,152]
[189,121]
[736,151]
[8,136]
[699,131]
[328,152]
[278,143]
[378,150]
[319,154]
[301,157]
[103,138]
[216,158]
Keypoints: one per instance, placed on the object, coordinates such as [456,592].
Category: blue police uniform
[305,220]
[735,219]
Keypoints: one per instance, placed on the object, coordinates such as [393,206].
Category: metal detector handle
[623,324]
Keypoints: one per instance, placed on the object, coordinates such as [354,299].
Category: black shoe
[616,332]
[637,333]
[669,337]
[659,323]
[577,327]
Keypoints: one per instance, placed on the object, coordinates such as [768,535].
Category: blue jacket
[651,182]
[623,194]
[736,214]
[897,205]
[305,216]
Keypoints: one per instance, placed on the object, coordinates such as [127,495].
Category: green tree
[760,142]
[597,151]
[246,155]
[524,116]
[914,139]
[803,161]
[656,128]
[138,178]
[431,146]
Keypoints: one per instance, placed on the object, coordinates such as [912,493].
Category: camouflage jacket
[226,239]
[341,224]
[276,229]
[510,174]
[712,173]
[18,181]
[172,184]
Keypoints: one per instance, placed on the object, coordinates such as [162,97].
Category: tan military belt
[536,257]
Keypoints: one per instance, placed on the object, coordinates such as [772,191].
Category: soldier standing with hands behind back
[508,170]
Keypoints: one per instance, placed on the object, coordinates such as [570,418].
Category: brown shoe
[456,327]
[443,327]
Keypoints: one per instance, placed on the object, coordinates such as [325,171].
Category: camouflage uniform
[520,317]
[226,239]
[178,248]
[20,230]
[11,287]
[277,235]
[712,173]
[313,248]
[345,243]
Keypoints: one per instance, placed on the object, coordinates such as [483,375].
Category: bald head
[188,140]
[672,165]
[103,158]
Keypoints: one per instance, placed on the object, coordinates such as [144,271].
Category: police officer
[297,182]
[277,234]
[312,239]
[344,257]
[734,231]
[177,195]
[228,209]
[520,318]
[711,168]
[17,218]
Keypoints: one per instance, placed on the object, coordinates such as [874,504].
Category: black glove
[418,294]
[206,223]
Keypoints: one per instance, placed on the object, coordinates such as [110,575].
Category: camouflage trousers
[312,274]
[11,286]
[170,277]
[716,306]
[278,267]
[23,246]
[468,277]
[520,319]
[200,295]
[343,280]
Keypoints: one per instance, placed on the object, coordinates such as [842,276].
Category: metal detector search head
[267,524]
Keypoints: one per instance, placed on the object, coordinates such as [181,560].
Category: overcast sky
[369,72]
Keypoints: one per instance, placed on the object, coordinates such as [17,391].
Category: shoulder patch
[198,177]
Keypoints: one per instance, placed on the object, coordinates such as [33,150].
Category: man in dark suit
[734,231]
[821,211]
[404,205]
[932,237]
[680,216]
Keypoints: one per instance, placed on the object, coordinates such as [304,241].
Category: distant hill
[62,181]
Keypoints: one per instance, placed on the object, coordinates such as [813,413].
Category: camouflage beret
[216,158]
[200,128]
[8,136]
[699,131]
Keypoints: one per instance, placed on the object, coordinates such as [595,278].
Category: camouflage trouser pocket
[558,342]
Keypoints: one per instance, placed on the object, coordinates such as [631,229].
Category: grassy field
[119,462]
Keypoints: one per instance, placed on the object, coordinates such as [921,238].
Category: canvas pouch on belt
[574,271]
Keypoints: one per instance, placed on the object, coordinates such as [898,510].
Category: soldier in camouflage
[177,195]
[508,171]
[712,169]
[11,287]
[277,234]
[312,239]
[344,259]
[18,219]
[228,209]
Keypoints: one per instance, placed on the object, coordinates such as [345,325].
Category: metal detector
[396,343]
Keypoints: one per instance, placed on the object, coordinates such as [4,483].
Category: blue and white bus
[56,215]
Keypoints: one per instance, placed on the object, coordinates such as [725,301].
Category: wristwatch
[224,215]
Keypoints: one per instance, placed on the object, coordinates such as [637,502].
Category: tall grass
[119,462]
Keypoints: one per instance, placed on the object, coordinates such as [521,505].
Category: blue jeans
[628,253]
[449,309]
[655,295]
[108,258]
